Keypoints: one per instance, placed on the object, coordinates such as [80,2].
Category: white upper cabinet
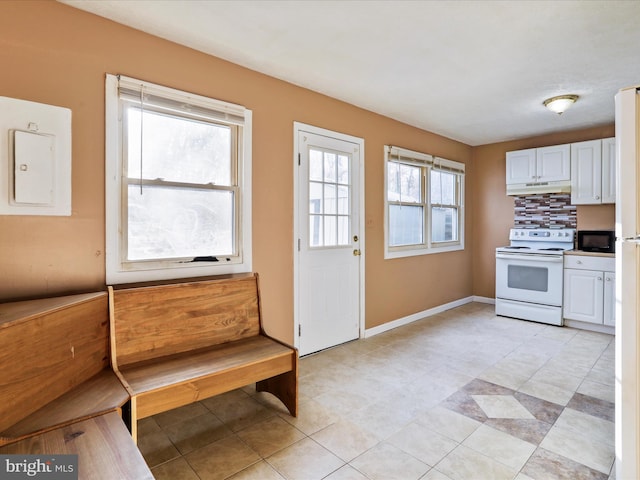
[553,163]
[593,172]
[521,166]
[586,172]
[537,165]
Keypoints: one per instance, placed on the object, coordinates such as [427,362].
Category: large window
[178,183]
[424,203]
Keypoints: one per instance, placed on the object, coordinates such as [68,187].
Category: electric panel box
[35,158]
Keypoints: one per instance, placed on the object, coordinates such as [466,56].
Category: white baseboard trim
[370,332]
[489,300]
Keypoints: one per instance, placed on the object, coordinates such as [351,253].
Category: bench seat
[100,394]
[103,444]
[191,376]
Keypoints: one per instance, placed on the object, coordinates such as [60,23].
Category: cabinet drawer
[585,262]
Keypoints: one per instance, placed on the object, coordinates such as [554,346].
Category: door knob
[356,252]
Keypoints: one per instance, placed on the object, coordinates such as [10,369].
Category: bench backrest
[152,321]
[47,347]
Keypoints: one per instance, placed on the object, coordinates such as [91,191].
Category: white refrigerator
[627,283]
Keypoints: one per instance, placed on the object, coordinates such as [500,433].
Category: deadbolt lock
[355,238]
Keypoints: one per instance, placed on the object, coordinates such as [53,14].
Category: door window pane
[316,237]
[315,165]
[330,199]
[343,200]
[343,230]
[330,231]
[315,197]
[343,169]
[330,167]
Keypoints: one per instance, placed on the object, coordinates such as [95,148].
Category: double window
[424,203]
[178,183]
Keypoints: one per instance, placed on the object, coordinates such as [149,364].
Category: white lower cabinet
[589,289]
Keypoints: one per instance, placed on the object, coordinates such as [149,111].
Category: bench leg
[125,412]
[131,419]
[285,387]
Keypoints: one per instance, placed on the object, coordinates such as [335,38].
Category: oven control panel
[542,234]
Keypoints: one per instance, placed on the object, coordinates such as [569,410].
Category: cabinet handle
[597,197]
[608,279]
[599,279]
[579,262]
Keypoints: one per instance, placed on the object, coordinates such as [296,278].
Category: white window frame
[427,163]
[120,271]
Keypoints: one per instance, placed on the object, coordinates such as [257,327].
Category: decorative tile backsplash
[546,210]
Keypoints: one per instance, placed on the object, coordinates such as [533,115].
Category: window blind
[403,155]
[165,98]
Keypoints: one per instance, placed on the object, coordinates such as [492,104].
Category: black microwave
[597,241]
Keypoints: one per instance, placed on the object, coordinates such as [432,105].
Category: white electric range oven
[529,274]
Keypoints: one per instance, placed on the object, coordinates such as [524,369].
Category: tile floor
[460,395]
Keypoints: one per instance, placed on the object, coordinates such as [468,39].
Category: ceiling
[473,71]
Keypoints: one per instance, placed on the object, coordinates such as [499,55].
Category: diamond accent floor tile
[523,416]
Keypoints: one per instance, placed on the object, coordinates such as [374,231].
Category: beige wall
[54,54]
[493,212]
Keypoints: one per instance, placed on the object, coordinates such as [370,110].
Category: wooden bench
[54,365]
[58,393]
[176,343]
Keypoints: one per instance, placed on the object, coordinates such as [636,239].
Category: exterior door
[329,253]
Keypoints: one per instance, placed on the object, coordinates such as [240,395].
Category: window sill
[413,252]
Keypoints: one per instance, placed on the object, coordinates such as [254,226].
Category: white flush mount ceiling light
[560,103]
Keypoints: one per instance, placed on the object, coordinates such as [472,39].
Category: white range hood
[538,188]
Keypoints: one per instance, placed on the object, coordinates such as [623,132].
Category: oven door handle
[530,258]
